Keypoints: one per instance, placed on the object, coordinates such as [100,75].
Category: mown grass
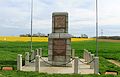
[107,50]
[35,74]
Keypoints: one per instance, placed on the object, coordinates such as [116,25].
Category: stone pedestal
[59,49]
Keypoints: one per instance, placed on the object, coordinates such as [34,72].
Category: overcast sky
[15,16]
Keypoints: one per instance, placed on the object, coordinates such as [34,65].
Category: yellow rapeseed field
[36,39]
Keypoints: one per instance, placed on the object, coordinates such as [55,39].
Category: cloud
[15,14]
[109,12]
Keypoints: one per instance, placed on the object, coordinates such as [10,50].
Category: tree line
[110,37]
[34,35]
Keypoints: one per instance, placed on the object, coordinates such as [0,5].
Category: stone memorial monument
[59,42]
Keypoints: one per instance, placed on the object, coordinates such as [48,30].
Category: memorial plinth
[59,42]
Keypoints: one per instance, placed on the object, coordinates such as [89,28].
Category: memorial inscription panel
[59,47]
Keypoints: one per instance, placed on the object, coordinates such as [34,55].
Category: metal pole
[31,22]
[96,27]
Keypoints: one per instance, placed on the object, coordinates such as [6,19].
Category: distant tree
[25,35]
[84,36]
[34,35]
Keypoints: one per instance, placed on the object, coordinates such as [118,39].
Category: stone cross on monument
[59,42]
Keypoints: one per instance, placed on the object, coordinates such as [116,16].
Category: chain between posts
[60,64]
[31,61]
[56,65]
[87,62]
[48,62]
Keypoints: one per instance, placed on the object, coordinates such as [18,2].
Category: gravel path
[115,62]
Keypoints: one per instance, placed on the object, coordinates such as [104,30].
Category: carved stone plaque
[60,22]
[59,47]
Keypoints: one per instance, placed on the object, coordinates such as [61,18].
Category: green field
[9,51]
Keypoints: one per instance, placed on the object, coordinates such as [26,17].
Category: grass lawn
[9,51]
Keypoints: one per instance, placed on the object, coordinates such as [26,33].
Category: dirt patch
[108,40]
[115,62]
[111,73]
[7,68]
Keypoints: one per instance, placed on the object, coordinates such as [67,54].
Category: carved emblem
[60,22]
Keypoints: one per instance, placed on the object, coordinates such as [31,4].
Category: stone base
[59,60]
[68,69]
[59,63]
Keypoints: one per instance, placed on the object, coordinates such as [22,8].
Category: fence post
[96,65]
[19,62]
[26,58]
[32,55]
[40,51]
[73,53]
[89,56]
[76,65]
[92,63]
[84,54]
[37,52]
[37,63]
